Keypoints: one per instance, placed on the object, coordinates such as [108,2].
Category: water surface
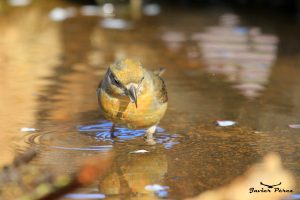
[50,71]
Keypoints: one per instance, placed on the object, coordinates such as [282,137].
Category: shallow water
[50,71]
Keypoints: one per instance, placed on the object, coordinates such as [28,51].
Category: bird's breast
[121,111]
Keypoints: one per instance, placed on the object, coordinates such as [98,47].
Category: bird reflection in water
[133,170]
[132,173]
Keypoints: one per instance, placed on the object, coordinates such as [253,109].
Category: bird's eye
[116,80]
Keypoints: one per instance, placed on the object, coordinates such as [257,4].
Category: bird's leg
[149,135]
[112,131]
[122,108]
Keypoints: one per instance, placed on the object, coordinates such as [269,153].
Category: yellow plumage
[116,100]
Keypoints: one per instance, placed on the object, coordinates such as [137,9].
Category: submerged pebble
[140,151]
[26,129]
[296,126]
[225,123]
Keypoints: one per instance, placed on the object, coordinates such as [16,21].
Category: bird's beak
[132,95]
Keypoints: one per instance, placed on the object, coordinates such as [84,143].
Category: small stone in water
[25,129]
[155,188]
[297,126]
[226,123]
[140,151]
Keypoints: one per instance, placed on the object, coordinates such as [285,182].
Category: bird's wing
[98,92]
[160,89]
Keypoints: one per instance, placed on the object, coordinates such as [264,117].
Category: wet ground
[50,71]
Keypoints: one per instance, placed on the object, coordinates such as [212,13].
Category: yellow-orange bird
[133,96]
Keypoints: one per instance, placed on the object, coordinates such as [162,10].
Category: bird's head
[125,78]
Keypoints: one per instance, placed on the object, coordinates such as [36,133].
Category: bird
[132,96]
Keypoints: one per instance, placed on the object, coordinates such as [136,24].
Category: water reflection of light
[119,24]
[160,191]
[89,10]
[151,9]
[19,2]
[243,54]
[101,132]
[108,9]
[84,196]
[61,14]
[174,40]
[24,34]
[88,148]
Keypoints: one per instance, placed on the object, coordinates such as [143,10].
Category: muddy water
[50,71]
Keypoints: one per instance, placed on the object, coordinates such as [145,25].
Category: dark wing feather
[98,90]
[160,89]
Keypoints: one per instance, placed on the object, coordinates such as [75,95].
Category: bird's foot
[112,131]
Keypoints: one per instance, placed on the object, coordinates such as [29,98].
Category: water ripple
[65,141]
[96,137]
[101,132]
